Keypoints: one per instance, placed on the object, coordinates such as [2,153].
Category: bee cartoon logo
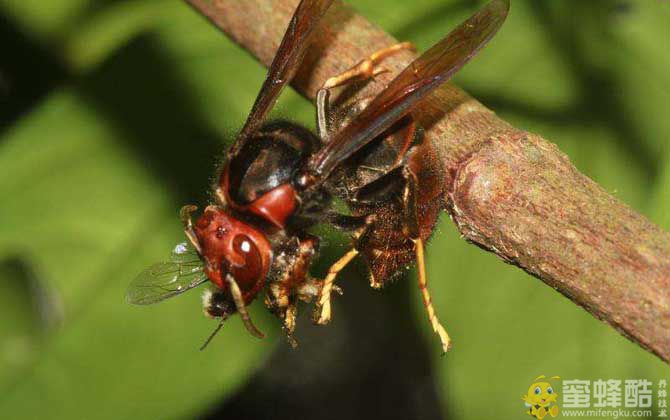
[540,400]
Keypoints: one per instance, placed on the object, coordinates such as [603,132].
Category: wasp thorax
[230,246]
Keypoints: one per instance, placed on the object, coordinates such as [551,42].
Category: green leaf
[661,199]
[86,216]
[47,22]
[93,176]
[100,35]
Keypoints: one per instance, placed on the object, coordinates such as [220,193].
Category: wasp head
[229,246]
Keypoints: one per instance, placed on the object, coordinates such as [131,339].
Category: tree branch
[508,191]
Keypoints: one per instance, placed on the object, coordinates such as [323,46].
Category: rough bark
[508,191]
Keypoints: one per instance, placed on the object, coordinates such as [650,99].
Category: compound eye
[538,391]
[248,273]
[550,390]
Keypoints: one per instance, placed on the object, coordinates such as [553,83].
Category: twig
[508,191]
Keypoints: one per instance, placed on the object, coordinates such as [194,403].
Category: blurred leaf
[93,177]
[661,199]
[20,323]
[87,217]
[47,21]
[100,35]
[640,64]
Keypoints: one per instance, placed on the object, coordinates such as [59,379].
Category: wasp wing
[182,272]
[422,76]
[286,62]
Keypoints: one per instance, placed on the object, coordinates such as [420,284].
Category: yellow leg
[427,301]
[289,319]
[368,67]
[289,324]
[322,314]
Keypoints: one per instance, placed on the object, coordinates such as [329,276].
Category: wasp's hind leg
[412,230]
[363,70]
[368,67]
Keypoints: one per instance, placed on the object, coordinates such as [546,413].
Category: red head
[230,246]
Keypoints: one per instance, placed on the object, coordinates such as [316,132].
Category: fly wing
[182,272]
[286,62]
[423,75]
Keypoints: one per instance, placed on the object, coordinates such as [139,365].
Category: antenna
[216,330]
[241,307]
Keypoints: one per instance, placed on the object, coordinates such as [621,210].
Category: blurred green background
[113,114]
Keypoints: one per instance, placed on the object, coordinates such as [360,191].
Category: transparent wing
[286,62]
[182,272]
[422,76]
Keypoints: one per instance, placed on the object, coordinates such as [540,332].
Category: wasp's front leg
[289,274]
[185,216]
[280,302]
[322,313]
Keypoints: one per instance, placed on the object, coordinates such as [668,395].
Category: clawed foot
[319,291]
[369,67]
[289,325]
[322,312]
